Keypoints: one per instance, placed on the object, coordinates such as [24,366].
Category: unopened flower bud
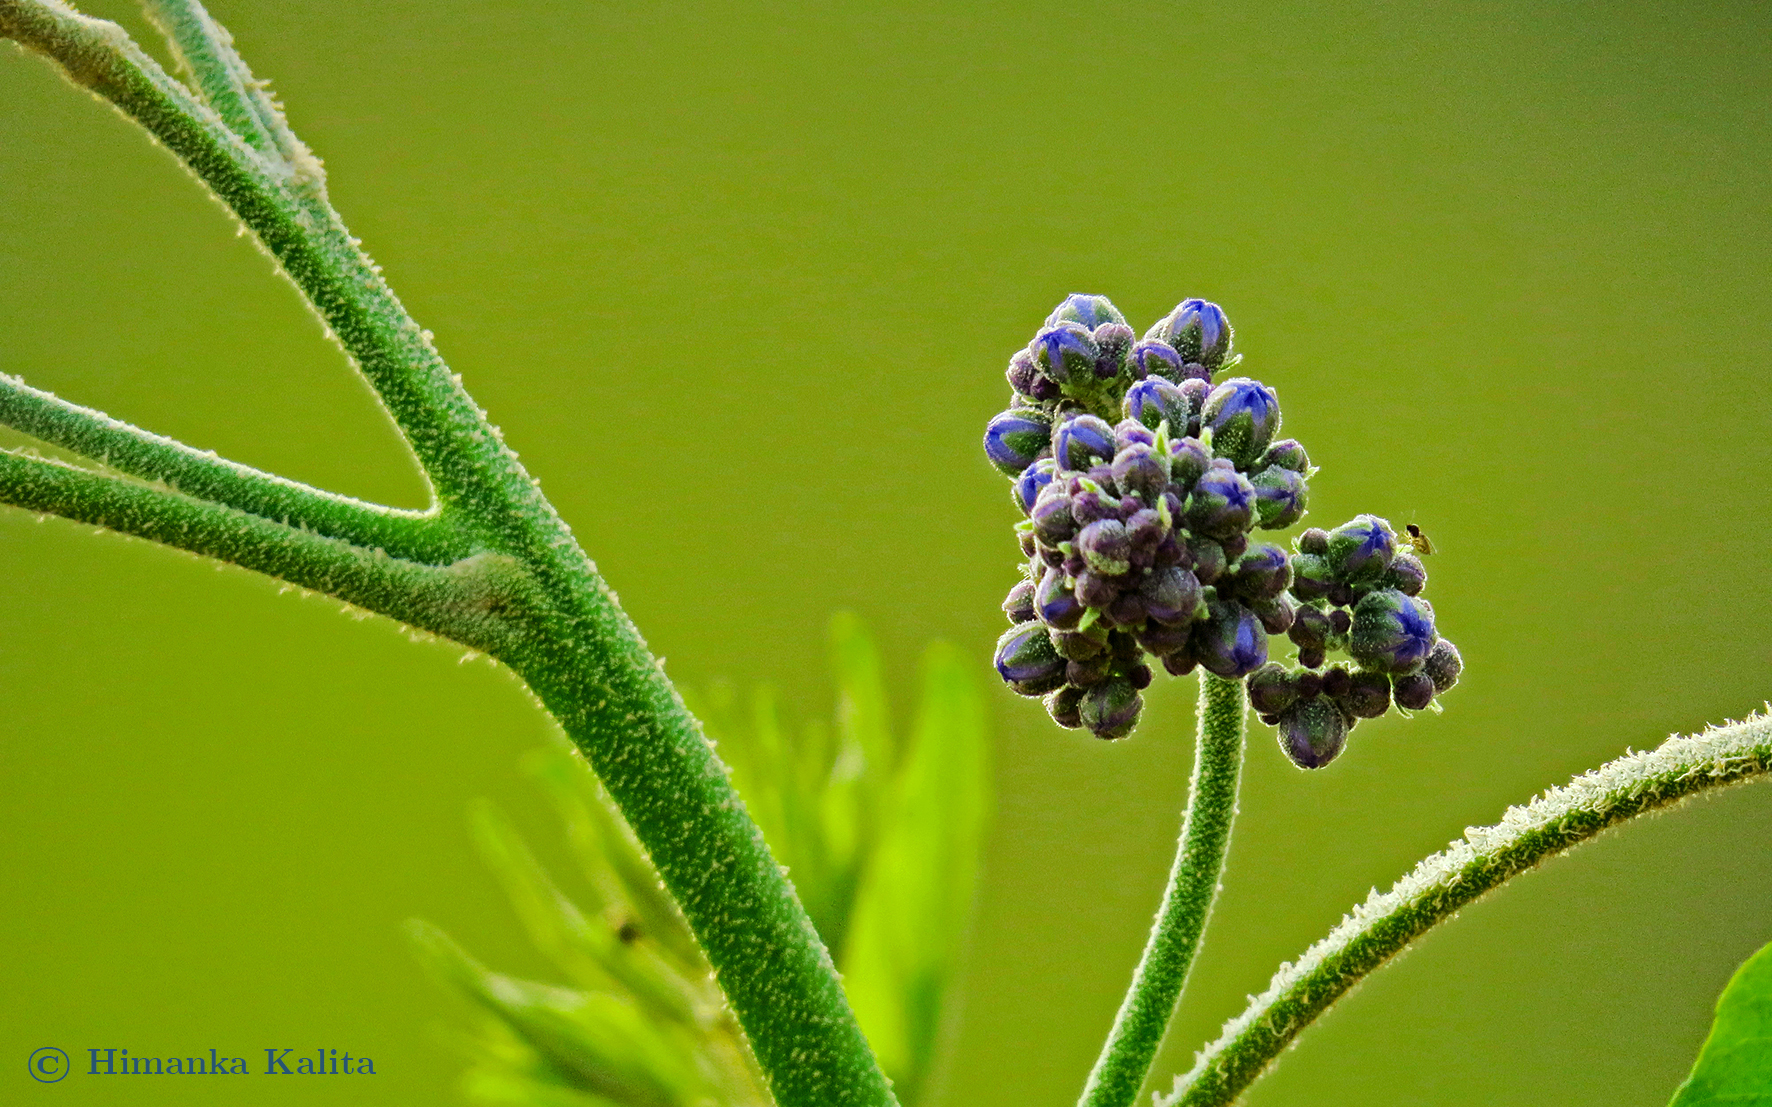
[1022,373]
[1112,343]
[1406,574]
[1089,671]
[1019,605]
[1140,676]
[1311,577]
[1443,665]
[1209,560]
[1140,469]
[1222,504]
[1164,640]
[1196,389]
[1052,518]
[1015,438]
[1231,642]
[1361,550]
[1027,662]
[1130,432]
[1392,633]
[1105,547]
[1063,706]
[1155,401]
[1243,416]
[1086,310]
[1276,614]
[1111,709]
[1314,540]
[1310,628]
[1081,442]
[1312,732]
[1055,603]
[1153,360]
[1288,454]
[1074,645]
[1179,663]
[1271,689]
[1262,573]
[1067,353]
[1171,596]
[1095,590]
[1280,497]
[1126,611]
[1188,462]
[1414,691]
[1032,479]
[1198,330]
[1368,695]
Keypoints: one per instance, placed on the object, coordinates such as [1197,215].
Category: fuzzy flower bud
[1154,401]
[1063,705]
[1066,352]
[1140,469]
[1312,732]
[1243,416]
[1157,360]
[1112,343]
[1413,692]
[1082,441]
[1443,665]
[1287,454]
[1198,330]
[1027,662]
[1368,695]
[1171,596]
[1280,497]
[1391,633]
[1406,574]
[1105,547]
[1015,438]
[1231,643]
[1222,504]
[1086,310]
[1110,709]
[1053,521]
[1032,479]
[1188,462]
[1055,603]
[1271,689]
[1362,549]
[1262,573]
[1019,604]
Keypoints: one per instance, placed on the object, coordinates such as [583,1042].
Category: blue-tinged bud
[1063,706]
[1027,662]
[1361,550]
[1111,709]
[1130,432]
[1221,504]
[1015,438]
[1154,401]
[1310,629]
[1280,497]
[1198,330]
[1145,530]
[1406,574]
[1171,596]
[1271,689]
[1112,342]
[1209,560]
[1088,505]
[1196,390]
[1157,360]
[1053,521]
[1022,373]
[1105,547]
[1443,665]
[1231,642]
[1276,614]
[1188,462]
[1055,603]
[1392,633]
[1368,695]
[1414,691]
[1311,577]
[1019,605]
[1243,416]
[1081,441]
[1066,352]
[1262,573]
[1032,479]
[1312,732]
[1140,469]
[1086,310]
[1287,453]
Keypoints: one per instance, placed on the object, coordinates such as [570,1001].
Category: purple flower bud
[1198,330]
[1089,671]
[1130,432]
[1262,573]
[1311,578]
[1027,662]
[1243,416]
[1053,521]
[1196,389]
[1155,401]
[1271,689]
[1164,640]
[1179,663]
[1171,596]
[1063,706]
[1234,547]
[1443,665]
[1095,590]
[1086,310]
[1188,462]
[1140,675]
[1032,479]
[1406,574]
[1015,438]
[1368,695]
[1362,549]
[1112,341]
[1156,361]
[1312,732]
[1022,373]
[1340,622]
[1140,469]
[1335,682]
[1413,692]
[1111,709]
[1055,603]
[1313,541]
[1088,506]
[1392,633]
[1105,547]
[1076,645]
[1276,614]
[1066,352]
[1222,504]
[1310,629]
[1019,605]
[1287,454]
[1209,560]
[1231,642]
[1082,441]
[1127,610]
[1145,531]
[1028,546]
[1280,497]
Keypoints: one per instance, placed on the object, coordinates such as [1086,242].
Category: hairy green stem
[563,630]
[415,536]
[1484,858]
[1193,886]
[205,51]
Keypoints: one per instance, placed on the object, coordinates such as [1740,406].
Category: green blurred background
[740,284]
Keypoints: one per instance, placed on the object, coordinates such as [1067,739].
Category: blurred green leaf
[1735,1065]
[910,915]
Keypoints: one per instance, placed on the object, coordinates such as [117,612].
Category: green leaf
[908,924]
[1735,1065]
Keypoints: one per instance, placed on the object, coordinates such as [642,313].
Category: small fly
[1417,540]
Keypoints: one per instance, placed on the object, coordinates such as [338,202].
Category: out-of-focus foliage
[1735,1065]
[879,834]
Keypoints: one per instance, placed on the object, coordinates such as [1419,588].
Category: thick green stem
[571,642]
[1384,925]
[1187,901]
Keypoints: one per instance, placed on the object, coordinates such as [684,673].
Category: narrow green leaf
[910,915]
[1735,1065]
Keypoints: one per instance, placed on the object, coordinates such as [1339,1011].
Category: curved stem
[1384,925]
[1187,901]
[416,536]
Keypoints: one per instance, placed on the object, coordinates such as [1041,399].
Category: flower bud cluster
[1141,483]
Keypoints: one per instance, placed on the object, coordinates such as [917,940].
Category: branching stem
[1483,859]
[1187,901]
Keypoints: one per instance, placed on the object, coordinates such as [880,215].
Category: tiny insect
[1417,540]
